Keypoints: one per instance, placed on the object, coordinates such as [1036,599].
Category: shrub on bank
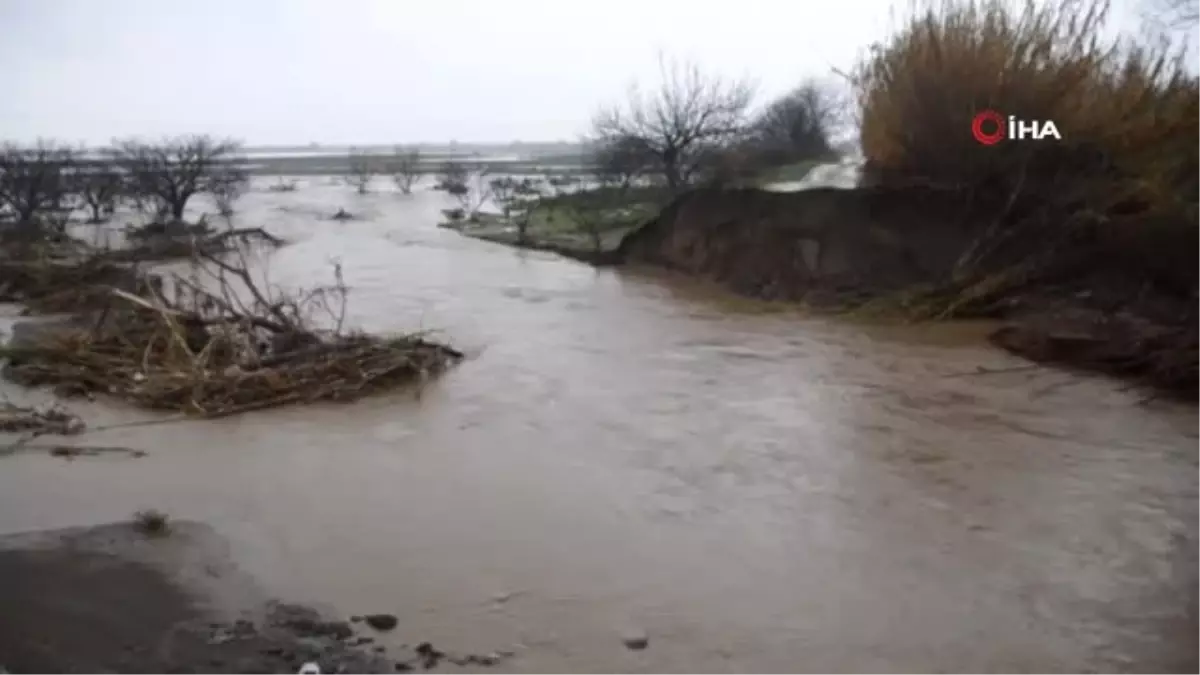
[1128,113]
[1105,216]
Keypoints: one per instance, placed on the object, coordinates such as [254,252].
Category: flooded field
[628,453]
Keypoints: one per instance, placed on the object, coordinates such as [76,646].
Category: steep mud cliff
[804,245]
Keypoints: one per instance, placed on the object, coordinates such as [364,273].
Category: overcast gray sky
[367,71]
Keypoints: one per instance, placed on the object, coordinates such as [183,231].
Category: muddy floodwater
[624,453]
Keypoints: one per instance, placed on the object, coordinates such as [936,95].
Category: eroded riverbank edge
[1118,298]
[1116,306]
[113,598]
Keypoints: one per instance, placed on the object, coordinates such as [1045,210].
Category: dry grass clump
[1115,199]
[1128,113]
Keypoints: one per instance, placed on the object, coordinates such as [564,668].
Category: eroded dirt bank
[803,245]
[1118,297]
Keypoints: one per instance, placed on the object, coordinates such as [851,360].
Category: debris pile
[49,285]
[159,241]
[210,351]
[52,419]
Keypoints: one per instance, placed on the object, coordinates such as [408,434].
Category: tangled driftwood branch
[208,352]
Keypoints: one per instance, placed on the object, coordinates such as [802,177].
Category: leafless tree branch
[406,169]
[171,172]
[98,186]
[680,121]
[361,170]
[35,180]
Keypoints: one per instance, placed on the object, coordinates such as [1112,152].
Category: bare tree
[35,181]
[797,126]
[452,174]
[592,210]
[503,189]
[527,197]
[225,193]
[452,179]
[469,188]
[478,192]
[621,161]
[593,220]
[360,170]
[518,201]
[688,114]
[99,186]
[406,169]
[171,172]
[147,205]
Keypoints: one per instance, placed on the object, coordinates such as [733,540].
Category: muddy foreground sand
[111,599]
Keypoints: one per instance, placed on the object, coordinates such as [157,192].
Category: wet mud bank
[602,258]
[606,256]
[794,245]
[1123,291]
[114,598]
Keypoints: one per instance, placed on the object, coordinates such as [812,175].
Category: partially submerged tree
[469,188]
[406,169]
[99,186]
[452,174]
[225,193]
[477,194]
[678,123]
[503,189]
[169,173]
[518,201]
[360,170]
[35,181]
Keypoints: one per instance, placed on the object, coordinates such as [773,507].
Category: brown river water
[755,489]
